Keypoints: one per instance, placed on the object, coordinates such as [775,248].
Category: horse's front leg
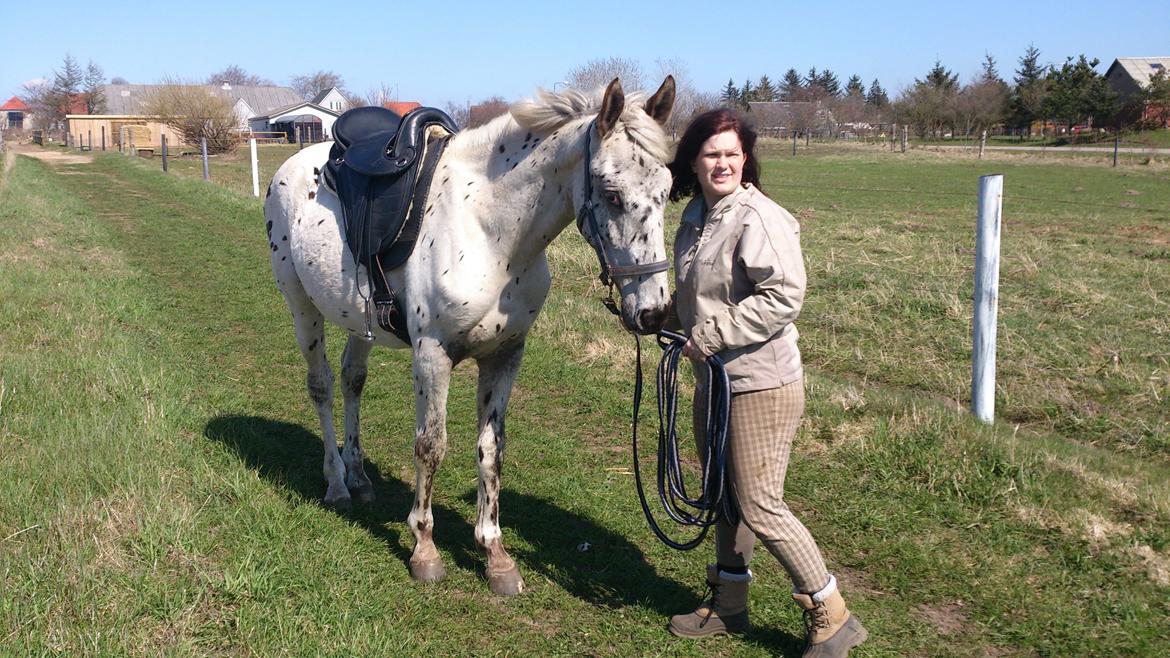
[432,376]
[353,378]
[496,375]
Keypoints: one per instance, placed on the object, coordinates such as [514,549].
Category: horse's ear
[660,104]
[612,106]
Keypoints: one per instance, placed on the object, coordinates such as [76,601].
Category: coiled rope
[714,500]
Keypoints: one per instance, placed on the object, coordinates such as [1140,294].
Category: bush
[195,112]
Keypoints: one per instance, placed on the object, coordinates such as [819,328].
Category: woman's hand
[692,351]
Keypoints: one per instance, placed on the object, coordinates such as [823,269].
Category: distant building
[400,107]
[331,99]
[1128,76]
[14,115]
[782,118]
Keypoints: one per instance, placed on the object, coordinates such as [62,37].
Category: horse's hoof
[363,494]
[427,571]
[339,504]
[505,583]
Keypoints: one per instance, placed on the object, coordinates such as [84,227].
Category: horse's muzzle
[650,320]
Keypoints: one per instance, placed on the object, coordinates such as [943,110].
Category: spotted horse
[477,278]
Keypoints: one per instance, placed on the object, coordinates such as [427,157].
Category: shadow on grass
[612,573]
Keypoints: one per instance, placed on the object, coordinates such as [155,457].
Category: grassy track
[163,462]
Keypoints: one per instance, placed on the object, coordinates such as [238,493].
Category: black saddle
[381,167]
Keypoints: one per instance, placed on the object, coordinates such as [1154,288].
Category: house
[302,121]
[14,115]
[1128,76]
[331,99]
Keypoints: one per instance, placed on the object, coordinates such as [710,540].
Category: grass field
[163,462]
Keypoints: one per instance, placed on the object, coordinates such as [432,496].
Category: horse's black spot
[497,327]
[284,239]
[268,194]
[531,311]
[418,309]
[310,263]
[432,242]
[283,183]
[641,161]
[345,314]
[517,280]
[479,451]
[422,526]
[528,137]
[284,258]
[312,194]
[466,197]
[524,147]
[273,246]
[320,222]
[313,345]
[445,271]
[514,164]
[268,226]
[470,183]
[446,178]
[430,208]
[463,304]
[501,148]
[316,171]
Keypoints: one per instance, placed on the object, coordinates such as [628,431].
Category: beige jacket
[739,285]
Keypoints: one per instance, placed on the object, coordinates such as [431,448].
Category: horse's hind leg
[310,330]
[353,379]
[496,375]
[432,377]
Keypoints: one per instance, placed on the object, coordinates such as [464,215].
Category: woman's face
[719,166]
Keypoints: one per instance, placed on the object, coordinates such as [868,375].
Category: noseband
[591,231]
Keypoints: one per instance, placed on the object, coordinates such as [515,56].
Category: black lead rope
[714,500]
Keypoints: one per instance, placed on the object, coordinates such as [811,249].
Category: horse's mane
[551,110]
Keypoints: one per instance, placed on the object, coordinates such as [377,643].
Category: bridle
[591,231]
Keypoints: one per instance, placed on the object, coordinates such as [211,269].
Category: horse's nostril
[651,320]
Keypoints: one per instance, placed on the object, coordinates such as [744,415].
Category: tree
[312,84]
[235,75]
[1031,89]
[828,81]
[94,92]
[1078,93]
[791,86]
[486,110]
[1153,103]
[729,97]
[990,72]
[747,94]
[51,101]
[597,73]
[765,90]
[981,104]
[855,86]
[876,96]
[195,114]
[941,78]
[118,80]
[688,102]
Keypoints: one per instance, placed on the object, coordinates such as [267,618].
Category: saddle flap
[367,156]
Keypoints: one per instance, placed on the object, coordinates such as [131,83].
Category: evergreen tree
[812,78]
[66,86]
[1027,100]
[94,91]
[876,96]
[855,87]
[990,72]
[791,86]
[829,82]
[746,94]
[765,90]
[730,95]
[1078,93]
[941,78]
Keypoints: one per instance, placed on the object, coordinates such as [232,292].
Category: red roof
[14,104]
[400,107]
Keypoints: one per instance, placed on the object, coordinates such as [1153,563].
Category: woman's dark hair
[701,129]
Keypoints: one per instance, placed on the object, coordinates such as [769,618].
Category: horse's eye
[614,199]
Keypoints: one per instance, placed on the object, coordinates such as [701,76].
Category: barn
[1129,76]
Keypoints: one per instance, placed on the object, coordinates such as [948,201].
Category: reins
[714,499]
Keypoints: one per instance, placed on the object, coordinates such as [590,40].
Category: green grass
[163,462]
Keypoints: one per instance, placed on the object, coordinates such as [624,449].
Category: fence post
[164,153]
[203,150]
[986,297]
[794,143]
[103,139]
[122,141]
[905,136]
[1116,143]
[982,143]
[255,169]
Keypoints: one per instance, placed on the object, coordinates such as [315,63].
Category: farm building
[126,106]
[304,120]
[1129,76]
[14,115]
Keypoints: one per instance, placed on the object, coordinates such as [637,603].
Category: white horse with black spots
[477,278]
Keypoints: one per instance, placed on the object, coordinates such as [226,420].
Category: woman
[739,287]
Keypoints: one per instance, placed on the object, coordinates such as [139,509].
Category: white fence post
[255,169]
[986,297]
[982,143]
[203,152]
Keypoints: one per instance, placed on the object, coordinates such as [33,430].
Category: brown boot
[725,612]
[830,630]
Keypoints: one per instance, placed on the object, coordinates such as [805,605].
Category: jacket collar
[696,213]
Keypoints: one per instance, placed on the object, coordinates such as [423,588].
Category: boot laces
[814,620]
[711,601]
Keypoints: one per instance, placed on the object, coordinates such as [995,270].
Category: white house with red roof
[15,115]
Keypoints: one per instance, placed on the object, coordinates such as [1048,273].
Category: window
[1157,66]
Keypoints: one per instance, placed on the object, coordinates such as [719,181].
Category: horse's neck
[530,180]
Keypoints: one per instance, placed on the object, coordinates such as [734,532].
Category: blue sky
[476,50]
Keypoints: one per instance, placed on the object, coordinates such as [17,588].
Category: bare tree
[312,84]
[235,75]
[688,101]
[460,112]
[376,96]
[195,114]
[51,101]
[597,73]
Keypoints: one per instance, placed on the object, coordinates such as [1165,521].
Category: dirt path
[50,156]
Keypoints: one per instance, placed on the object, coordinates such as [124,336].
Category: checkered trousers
[760,432]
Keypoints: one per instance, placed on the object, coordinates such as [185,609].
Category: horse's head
[625,189]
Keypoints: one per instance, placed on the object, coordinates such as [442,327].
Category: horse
[477,279]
